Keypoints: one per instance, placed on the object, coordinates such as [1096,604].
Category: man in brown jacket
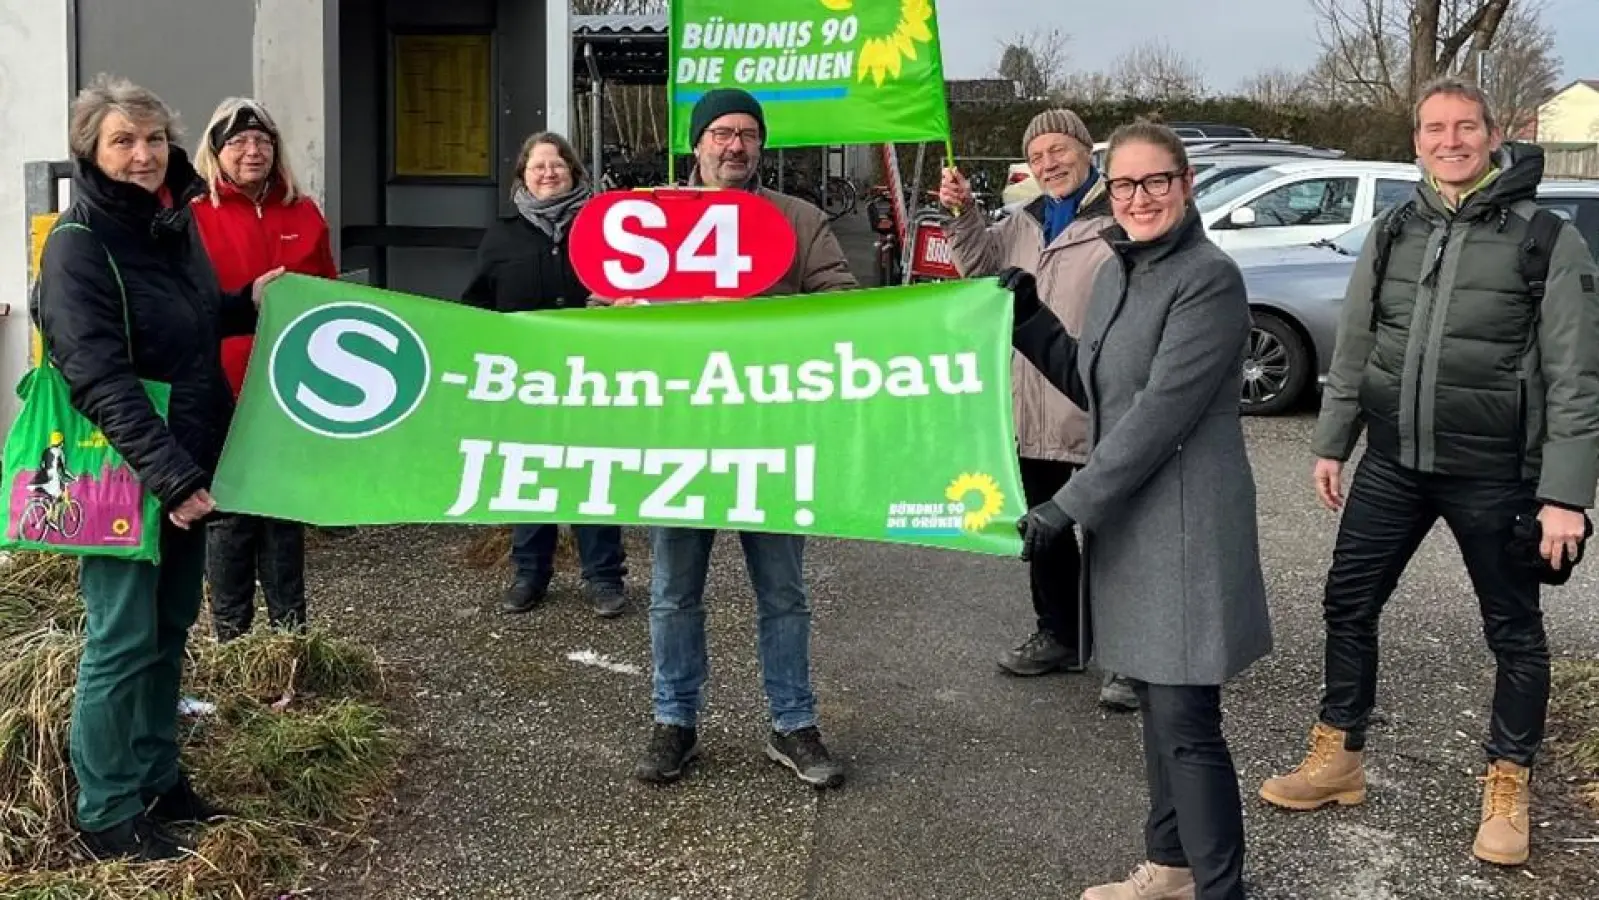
[1055,237]
[728,130]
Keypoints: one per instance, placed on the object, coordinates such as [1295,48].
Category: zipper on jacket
[1421,358]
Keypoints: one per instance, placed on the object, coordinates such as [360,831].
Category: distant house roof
[625,49]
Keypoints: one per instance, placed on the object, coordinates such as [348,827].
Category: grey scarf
[554,215]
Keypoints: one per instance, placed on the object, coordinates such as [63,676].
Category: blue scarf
[1058,213]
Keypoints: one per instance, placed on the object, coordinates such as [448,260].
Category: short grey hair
[107,93]
[1455,86]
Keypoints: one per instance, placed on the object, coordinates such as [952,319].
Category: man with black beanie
[728,130]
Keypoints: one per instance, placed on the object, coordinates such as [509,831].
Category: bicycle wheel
[35,516]
[71,519]
[841,197]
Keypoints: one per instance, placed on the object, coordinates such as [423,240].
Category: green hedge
[990,130]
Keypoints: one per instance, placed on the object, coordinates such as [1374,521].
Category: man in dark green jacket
[1478,390]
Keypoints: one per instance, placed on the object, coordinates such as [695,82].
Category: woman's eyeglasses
[1156,185]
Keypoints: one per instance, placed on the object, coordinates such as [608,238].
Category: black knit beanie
[723,102]
[245,118]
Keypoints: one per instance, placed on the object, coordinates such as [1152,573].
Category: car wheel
[1276,367]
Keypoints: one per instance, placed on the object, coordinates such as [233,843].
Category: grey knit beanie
[1057,121]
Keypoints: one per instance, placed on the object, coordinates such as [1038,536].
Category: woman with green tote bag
[131,318]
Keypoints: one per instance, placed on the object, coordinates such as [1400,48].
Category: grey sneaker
[1038,655]
[671,749]
[1117,694]
[804,752]
[608,599]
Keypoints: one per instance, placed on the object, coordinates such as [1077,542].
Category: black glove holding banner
[1024,289]
[1043,525]
[1526,539]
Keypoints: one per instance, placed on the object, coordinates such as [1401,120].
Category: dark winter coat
[176,313]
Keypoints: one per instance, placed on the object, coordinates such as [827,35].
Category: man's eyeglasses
[721,137]
[1156,185]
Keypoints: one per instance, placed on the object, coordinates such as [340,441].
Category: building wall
[321,66]
[1570,117]
[192,54]
[34,90]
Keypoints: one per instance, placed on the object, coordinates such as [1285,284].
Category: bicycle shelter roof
[620,49]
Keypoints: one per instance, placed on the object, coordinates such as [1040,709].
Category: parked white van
[1301,202]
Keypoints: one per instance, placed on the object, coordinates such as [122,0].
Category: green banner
[826,71]
[880,414]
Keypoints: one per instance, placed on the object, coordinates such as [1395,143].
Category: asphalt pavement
[963,782]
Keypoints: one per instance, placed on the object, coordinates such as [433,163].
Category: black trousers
[1057,598]
[240,549]
[1388,512]
[1196,817]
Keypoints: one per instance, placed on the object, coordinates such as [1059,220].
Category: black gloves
[1024,288]
[1042,527]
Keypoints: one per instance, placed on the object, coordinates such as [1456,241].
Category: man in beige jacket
[1055,237]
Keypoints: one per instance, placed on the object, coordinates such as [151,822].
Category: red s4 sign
[681,244]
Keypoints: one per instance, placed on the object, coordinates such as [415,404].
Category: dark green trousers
[125,715]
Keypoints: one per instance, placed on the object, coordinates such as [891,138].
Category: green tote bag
[69,491]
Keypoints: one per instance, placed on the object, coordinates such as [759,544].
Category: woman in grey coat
[1166,502]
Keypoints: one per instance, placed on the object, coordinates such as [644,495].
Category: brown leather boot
[1148,882]
[1329,774]
[1506,796]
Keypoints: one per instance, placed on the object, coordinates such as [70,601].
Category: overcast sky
[1253,35]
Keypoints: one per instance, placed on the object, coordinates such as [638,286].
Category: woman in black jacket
[130,295]
[524,265]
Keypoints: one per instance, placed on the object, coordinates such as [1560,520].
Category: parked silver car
[1296,294]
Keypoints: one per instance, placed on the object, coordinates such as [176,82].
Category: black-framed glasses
[721,137]
[1156,185]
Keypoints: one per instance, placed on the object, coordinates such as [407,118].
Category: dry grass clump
[299,745]
[1574,711]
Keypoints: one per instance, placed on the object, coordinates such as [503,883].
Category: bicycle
[42,515]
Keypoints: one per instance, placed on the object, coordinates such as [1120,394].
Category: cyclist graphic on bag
[51,507]
[52,478]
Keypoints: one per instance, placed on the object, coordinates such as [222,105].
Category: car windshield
[1221,196]
[1221,176]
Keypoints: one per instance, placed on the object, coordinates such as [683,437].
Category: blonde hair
[110,93]
[209,165]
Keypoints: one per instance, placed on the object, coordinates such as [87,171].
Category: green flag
[825,71]
[880,414]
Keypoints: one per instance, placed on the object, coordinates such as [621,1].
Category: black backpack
[1536,251]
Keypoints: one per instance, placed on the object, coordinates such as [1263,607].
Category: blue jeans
[599,547]
[677,624]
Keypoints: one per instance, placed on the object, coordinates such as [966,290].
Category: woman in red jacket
[254,219]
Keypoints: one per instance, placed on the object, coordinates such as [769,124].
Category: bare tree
[1276,87]
[1035,60]
[1156,71]
[1087,87]
[1520,71]
[1383,51]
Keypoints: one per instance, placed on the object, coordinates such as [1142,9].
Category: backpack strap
[1543,232]
[1535,253]
[122,289]
[1390,225]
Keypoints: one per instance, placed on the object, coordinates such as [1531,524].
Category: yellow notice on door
[443,108]
[38,229]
